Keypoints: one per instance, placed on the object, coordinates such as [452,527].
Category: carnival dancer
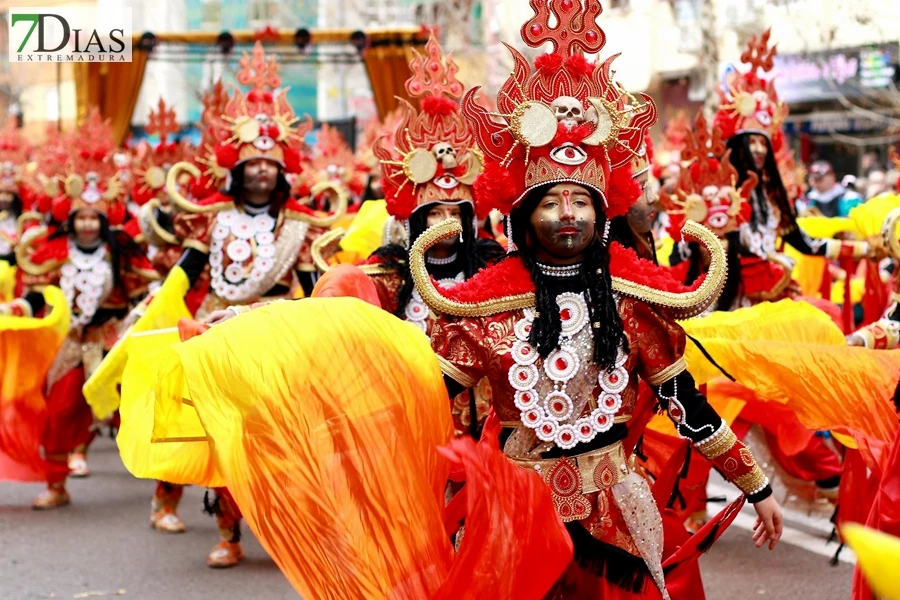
[101,272]
[566,325]
[244,244]
[750,118]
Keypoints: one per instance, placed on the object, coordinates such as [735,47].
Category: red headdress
[564,121]
[153,162]
[748,101]
[90,178]
[793,174]
[706,190]
[333,161]
[667,159]
[260,123]
[13,156]
[434,156]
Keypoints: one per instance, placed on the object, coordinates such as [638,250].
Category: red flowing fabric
[69,421]
[885,512]
[346,281]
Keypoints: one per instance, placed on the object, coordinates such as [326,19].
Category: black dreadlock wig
[280,195]
[122,248]
[471,256]
[15,205]
[595,278]
[770,183]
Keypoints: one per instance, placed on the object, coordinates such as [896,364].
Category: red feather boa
[510,277]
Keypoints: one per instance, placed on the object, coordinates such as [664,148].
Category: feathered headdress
[566,120]
[433,157]
[260,123]
[748,101]
[152,162]
[90,178]
[706,190]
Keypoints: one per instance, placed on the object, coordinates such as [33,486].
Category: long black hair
[770,184]
[15,205]
[280,194]
[606,325]
[122,248]
[469,258]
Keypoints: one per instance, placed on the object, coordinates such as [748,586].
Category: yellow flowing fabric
[824,227]
[7,281]
[792,353]
[28,348]
[366,232]
[664,248]
[324,417]
[878,555]
[868,218]
[167,306]
[135,362]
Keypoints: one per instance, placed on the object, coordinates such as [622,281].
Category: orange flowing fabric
[387,63]
[27,349]
[113,88]
[793,354]
[324,417]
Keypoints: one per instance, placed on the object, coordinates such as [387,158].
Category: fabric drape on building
[387,63]
[113,88]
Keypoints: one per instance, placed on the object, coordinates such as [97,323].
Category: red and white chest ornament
[85,281]
[552,416]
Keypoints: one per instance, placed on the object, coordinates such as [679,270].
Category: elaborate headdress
[333,161]
[564,121]
[90,178]
[435,158]
[13,156]
[748,101]
[152,162]
[260,123]
[706,190]
[667,159]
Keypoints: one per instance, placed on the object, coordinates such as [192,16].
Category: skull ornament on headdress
[706,191]
[91,178]
[564,121]
[748,101]
[434,158]
[260,123]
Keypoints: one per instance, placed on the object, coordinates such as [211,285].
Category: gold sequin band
[598,470]
[753,482]
[673,370]
[195,245]
[718,443]
[452,371]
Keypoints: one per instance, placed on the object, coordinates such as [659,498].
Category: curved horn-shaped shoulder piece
[343,198]
[889,232]
[323,247]
[440,303]
[178,198]
[685,305]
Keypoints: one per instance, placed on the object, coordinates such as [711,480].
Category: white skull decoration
[569,111]
[445,154]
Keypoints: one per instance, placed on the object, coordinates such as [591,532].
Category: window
[262,12]
[211,14]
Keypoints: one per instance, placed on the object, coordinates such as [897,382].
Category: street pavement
[103,547]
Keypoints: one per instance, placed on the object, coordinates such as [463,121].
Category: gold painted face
[87,227]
